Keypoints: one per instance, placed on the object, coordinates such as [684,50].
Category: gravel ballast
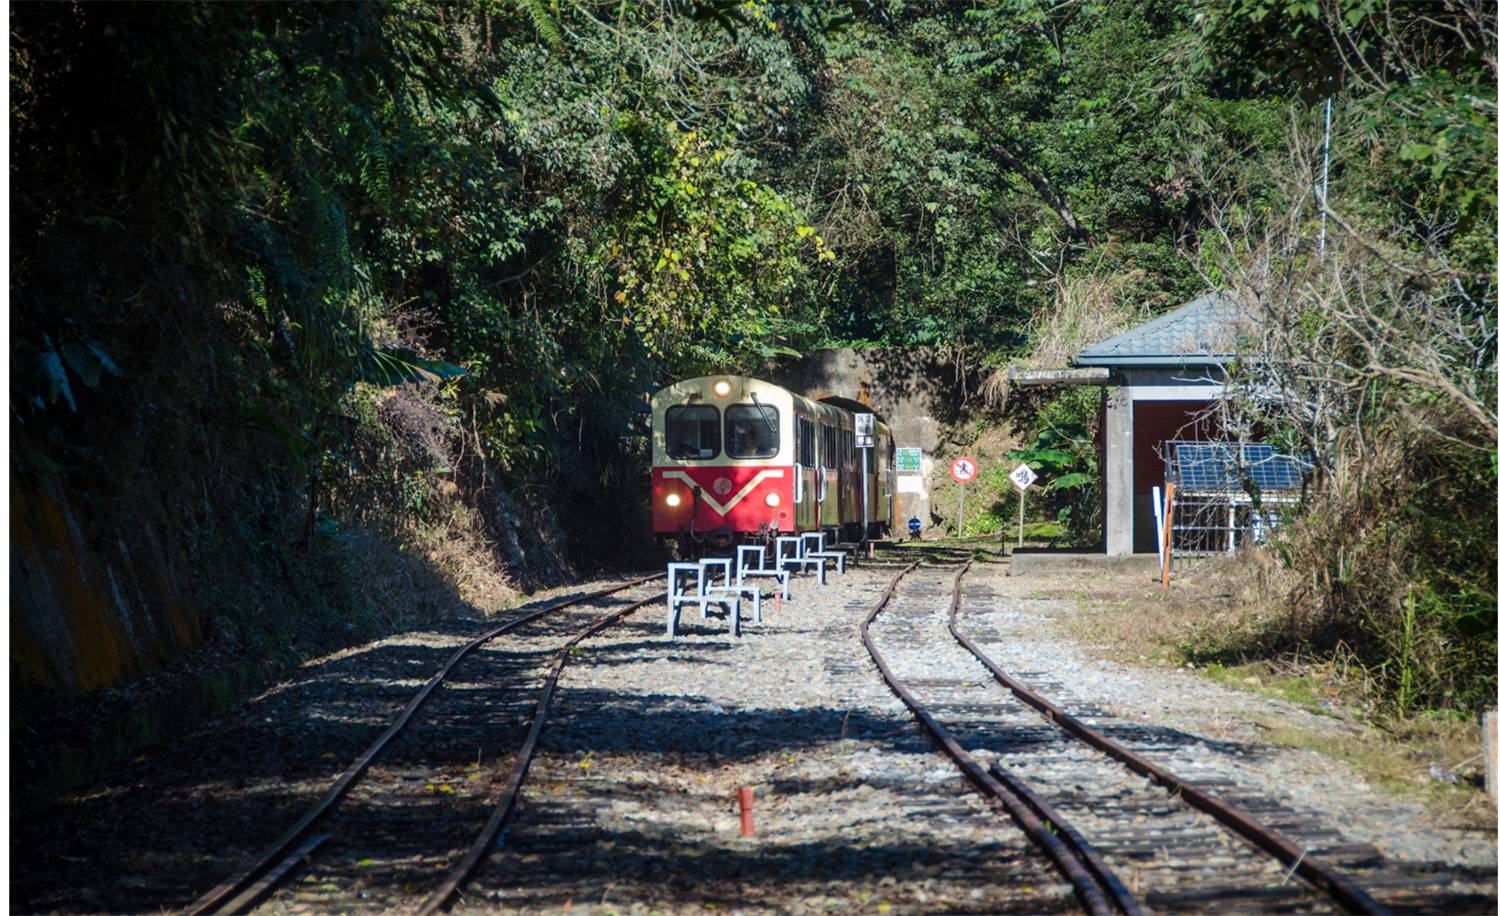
[631,803]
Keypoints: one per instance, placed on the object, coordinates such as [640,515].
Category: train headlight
[721,388]
[674,500]
[773,499]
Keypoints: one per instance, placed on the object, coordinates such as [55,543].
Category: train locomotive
[737,459]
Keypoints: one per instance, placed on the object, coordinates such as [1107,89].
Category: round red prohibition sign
[964,469]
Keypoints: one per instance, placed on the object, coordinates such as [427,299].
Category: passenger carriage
[736,459]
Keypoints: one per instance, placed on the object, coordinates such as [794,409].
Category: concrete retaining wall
[90,604]
[913,392]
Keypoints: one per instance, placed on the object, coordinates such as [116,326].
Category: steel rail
[220,898]
[272,877]
[1037,819]
[1306,868]
[1090,857]
[486,840]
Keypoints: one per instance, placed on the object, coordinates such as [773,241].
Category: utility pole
[1323,194]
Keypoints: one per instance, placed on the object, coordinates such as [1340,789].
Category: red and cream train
[736,458]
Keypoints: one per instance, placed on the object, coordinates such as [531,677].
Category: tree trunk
[1054,199]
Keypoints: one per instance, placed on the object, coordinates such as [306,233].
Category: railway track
[401,813]
[629,803]
[852,806]
[1154,841]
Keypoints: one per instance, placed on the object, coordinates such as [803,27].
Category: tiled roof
[1202,332]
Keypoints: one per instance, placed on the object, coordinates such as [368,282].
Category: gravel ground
[630,806]
[181,818]
[1219,731]
[1170,856]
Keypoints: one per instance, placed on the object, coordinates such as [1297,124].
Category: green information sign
[909,460]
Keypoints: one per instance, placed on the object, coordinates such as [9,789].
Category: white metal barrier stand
[822,552]
[794,557]
[709,564]
[730,587]
[677,596]
[743,570]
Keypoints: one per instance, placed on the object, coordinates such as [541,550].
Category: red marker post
[747,817]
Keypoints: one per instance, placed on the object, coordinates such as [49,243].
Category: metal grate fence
[1229,494]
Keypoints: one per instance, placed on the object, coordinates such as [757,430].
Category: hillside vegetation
[346,298]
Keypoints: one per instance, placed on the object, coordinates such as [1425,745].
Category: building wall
[1142,409]
[913,392]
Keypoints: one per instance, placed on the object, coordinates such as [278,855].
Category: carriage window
[752,431]
[829,455]
[804,442]
[692,431]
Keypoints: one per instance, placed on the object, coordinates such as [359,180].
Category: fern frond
[374,161]
[544,21]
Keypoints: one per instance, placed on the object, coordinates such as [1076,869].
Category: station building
[1159,383]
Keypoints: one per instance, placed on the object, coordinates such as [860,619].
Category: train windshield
[752,431]
[692,432]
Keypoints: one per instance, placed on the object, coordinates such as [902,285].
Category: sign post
[1166,525]
[1023,477]
[864,440]
[963,470]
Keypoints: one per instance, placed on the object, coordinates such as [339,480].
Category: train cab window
[692,431]
[753,431]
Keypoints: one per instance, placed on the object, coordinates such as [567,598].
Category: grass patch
[984,548]
[1044,531]
[1206,622]
[1125,623]
[1435,760]
[1311,690]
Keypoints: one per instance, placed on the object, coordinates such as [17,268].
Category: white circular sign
[1023,477]
[964,469]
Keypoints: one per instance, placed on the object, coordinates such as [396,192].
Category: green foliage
[232,224]
[704,251]
[1381,347]
[1392,575]
[1000,514]
[1064,456]
[1420,78]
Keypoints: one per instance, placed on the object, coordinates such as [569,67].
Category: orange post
[1166,559]
[747,818]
